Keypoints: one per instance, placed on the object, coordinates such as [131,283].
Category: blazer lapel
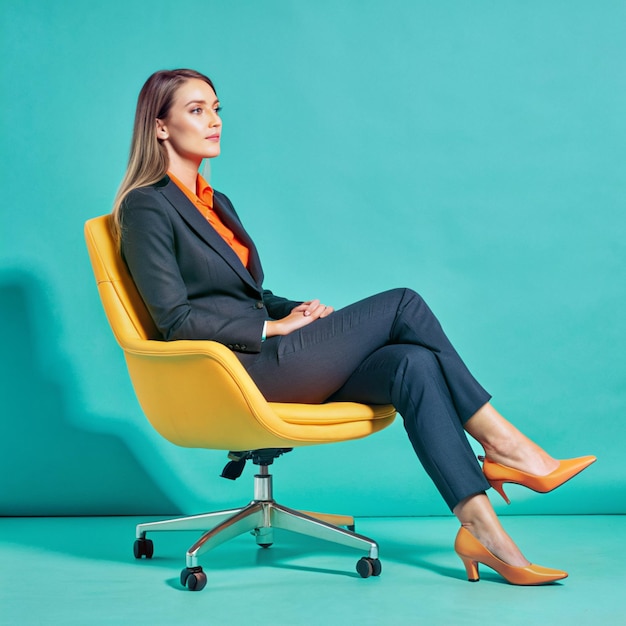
[199,224]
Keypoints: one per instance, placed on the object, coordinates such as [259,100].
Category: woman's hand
[300,316]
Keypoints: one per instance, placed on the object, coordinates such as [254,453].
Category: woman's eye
[217,109]
[196,110]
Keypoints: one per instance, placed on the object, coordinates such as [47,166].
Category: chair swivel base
[259,517]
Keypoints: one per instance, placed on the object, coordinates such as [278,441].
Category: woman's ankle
[524,456]
[478,517]
[504,443]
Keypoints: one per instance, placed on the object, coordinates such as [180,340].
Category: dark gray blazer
[191,280]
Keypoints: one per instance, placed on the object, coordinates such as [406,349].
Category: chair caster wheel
[367,567]
[193,578]
[265,546]
[143,547]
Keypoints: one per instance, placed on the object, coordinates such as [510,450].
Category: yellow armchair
[197,394]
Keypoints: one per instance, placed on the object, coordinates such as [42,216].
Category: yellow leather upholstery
[196,393]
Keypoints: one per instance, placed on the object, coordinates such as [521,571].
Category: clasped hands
[300,316]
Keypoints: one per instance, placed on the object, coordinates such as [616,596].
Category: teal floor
[62,571]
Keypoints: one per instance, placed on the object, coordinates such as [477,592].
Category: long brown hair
[148,161]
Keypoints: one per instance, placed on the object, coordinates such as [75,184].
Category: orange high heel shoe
[498,474]
[472,552]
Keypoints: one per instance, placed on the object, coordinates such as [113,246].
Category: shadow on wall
[48,466]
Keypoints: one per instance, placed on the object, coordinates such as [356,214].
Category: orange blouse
[203,201]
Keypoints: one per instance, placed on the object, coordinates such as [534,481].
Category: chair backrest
[124,308]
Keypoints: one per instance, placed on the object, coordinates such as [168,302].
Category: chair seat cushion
[331,412]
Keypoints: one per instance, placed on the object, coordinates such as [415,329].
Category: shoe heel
[471,567]
[498,486]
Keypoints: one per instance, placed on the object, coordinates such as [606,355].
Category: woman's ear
[161,129]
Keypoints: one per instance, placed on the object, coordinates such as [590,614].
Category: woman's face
[193,127]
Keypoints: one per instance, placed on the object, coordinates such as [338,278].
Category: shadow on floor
[110,540]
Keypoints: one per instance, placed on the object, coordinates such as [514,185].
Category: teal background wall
[472,151]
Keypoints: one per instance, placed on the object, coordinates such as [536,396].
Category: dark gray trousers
[386,349]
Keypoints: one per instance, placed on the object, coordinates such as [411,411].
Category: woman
[199,274]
